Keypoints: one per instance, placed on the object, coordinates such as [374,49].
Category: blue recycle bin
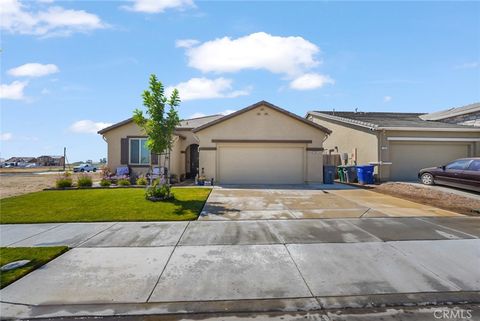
[365,174]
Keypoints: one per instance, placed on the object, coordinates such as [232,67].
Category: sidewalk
[245,266]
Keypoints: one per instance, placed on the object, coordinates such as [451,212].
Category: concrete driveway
[306,202]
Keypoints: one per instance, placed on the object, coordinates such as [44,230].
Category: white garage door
[408,158]
[260,164]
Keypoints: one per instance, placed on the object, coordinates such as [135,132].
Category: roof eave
[119,124]
[263,103]
[376,127]
[432,129]
[344,120]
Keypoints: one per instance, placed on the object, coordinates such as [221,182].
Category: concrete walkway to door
[308,201]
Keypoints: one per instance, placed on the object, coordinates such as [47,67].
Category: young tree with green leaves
[158,123]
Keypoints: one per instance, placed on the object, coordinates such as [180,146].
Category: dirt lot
[13,184]
[24,170]
[423,195]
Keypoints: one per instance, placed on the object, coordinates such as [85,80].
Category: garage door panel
[408,158]
[261,164]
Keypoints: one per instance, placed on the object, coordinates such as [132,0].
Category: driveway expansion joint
[49,229]
[168,260]
[89,238]
[300,272]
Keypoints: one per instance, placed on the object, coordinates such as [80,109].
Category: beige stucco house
[402,143]
[259,144]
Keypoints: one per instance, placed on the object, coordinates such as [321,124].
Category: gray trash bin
[350,173]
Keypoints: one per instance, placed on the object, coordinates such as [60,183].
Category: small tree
[158,123]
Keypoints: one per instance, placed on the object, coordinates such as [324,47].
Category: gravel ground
[428,196]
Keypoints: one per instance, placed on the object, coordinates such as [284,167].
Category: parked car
[84,168]
[463,173]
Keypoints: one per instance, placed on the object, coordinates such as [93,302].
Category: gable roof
[116,125]
[386,120]
[184,123]
[263,103]
[452,112]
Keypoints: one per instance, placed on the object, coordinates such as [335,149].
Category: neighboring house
[405,140]
[21,161]
[260,144]
[467,115]
[48,160]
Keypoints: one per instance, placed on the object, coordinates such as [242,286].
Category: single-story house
[21,161]
[400,143]
[259,144]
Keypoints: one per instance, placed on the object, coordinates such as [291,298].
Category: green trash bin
[341,173]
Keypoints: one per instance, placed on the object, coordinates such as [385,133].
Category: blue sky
[68,68]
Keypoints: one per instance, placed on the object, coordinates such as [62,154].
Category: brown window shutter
[124,151]
[154,158]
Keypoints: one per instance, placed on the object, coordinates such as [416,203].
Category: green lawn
[100,205]
[37,255]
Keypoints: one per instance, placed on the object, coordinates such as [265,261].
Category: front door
[194,160]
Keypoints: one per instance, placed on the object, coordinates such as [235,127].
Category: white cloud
[310,81]
[186,43]
[204,88]
[197,115]
[468,65]
[281,55]
[33,70]
[17,18]
[227,112]
[386,99]
[13,91]
[159,6]
[6,136]
[87,126]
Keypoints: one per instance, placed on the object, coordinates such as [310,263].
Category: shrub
[123,182]
[63,181]
[84,181]
[158,192]
[141,181]
[105,182]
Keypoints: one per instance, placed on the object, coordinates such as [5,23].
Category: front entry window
[139,153]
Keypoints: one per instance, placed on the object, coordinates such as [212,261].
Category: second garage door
[408,158]
[260,164]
